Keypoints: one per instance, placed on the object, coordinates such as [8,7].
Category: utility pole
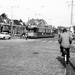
[72,13]
[12,23]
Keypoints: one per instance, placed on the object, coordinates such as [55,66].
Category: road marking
[37,40]
[46,41]
[57,52]
[43,41]
[49,41]
[22,40]
[56,42]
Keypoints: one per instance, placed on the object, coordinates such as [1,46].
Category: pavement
[71,67]
[21,57]
[72,54]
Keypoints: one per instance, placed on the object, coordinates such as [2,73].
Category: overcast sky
[55,12]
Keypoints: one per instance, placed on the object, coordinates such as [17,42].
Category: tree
[41,22]
[4,16]
[21,22]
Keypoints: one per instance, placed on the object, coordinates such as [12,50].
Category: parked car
[4,35]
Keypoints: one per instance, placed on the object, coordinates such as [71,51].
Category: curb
[72,54]
[72,59]
[73,45]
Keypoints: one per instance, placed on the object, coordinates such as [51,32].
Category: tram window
[31,30]
[47,30]
[40,30]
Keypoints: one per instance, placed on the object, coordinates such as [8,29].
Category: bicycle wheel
[65,60]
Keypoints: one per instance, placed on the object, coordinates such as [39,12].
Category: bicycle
[66,57]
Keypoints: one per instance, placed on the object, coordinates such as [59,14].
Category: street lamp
[72,13]
[12,19]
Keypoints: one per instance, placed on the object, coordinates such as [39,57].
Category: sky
[55,12]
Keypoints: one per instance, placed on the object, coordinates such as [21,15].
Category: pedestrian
[22,35]
[26,35]
[65,41]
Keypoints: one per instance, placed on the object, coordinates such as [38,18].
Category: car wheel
[9,38]
[3,38]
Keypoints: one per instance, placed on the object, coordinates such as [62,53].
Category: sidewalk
[71,68]
[73,44]
[72,60]
[72,52]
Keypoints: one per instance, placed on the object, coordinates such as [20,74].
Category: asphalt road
[31,57]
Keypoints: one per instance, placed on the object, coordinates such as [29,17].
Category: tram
[40,31]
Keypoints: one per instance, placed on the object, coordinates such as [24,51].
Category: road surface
[31,57]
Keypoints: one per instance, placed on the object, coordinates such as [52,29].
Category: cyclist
[65,41]
[26,35]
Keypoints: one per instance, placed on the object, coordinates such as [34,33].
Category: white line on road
[56,42]
[22,40]
[50,41]
[43,41]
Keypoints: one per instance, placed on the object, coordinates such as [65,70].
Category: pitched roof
[16,22]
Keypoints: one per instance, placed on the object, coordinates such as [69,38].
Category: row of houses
[18,26]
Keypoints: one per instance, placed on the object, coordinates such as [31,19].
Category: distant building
[4,26]
[18,26]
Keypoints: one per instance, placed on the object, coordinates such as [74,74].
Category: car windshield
[3,33]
